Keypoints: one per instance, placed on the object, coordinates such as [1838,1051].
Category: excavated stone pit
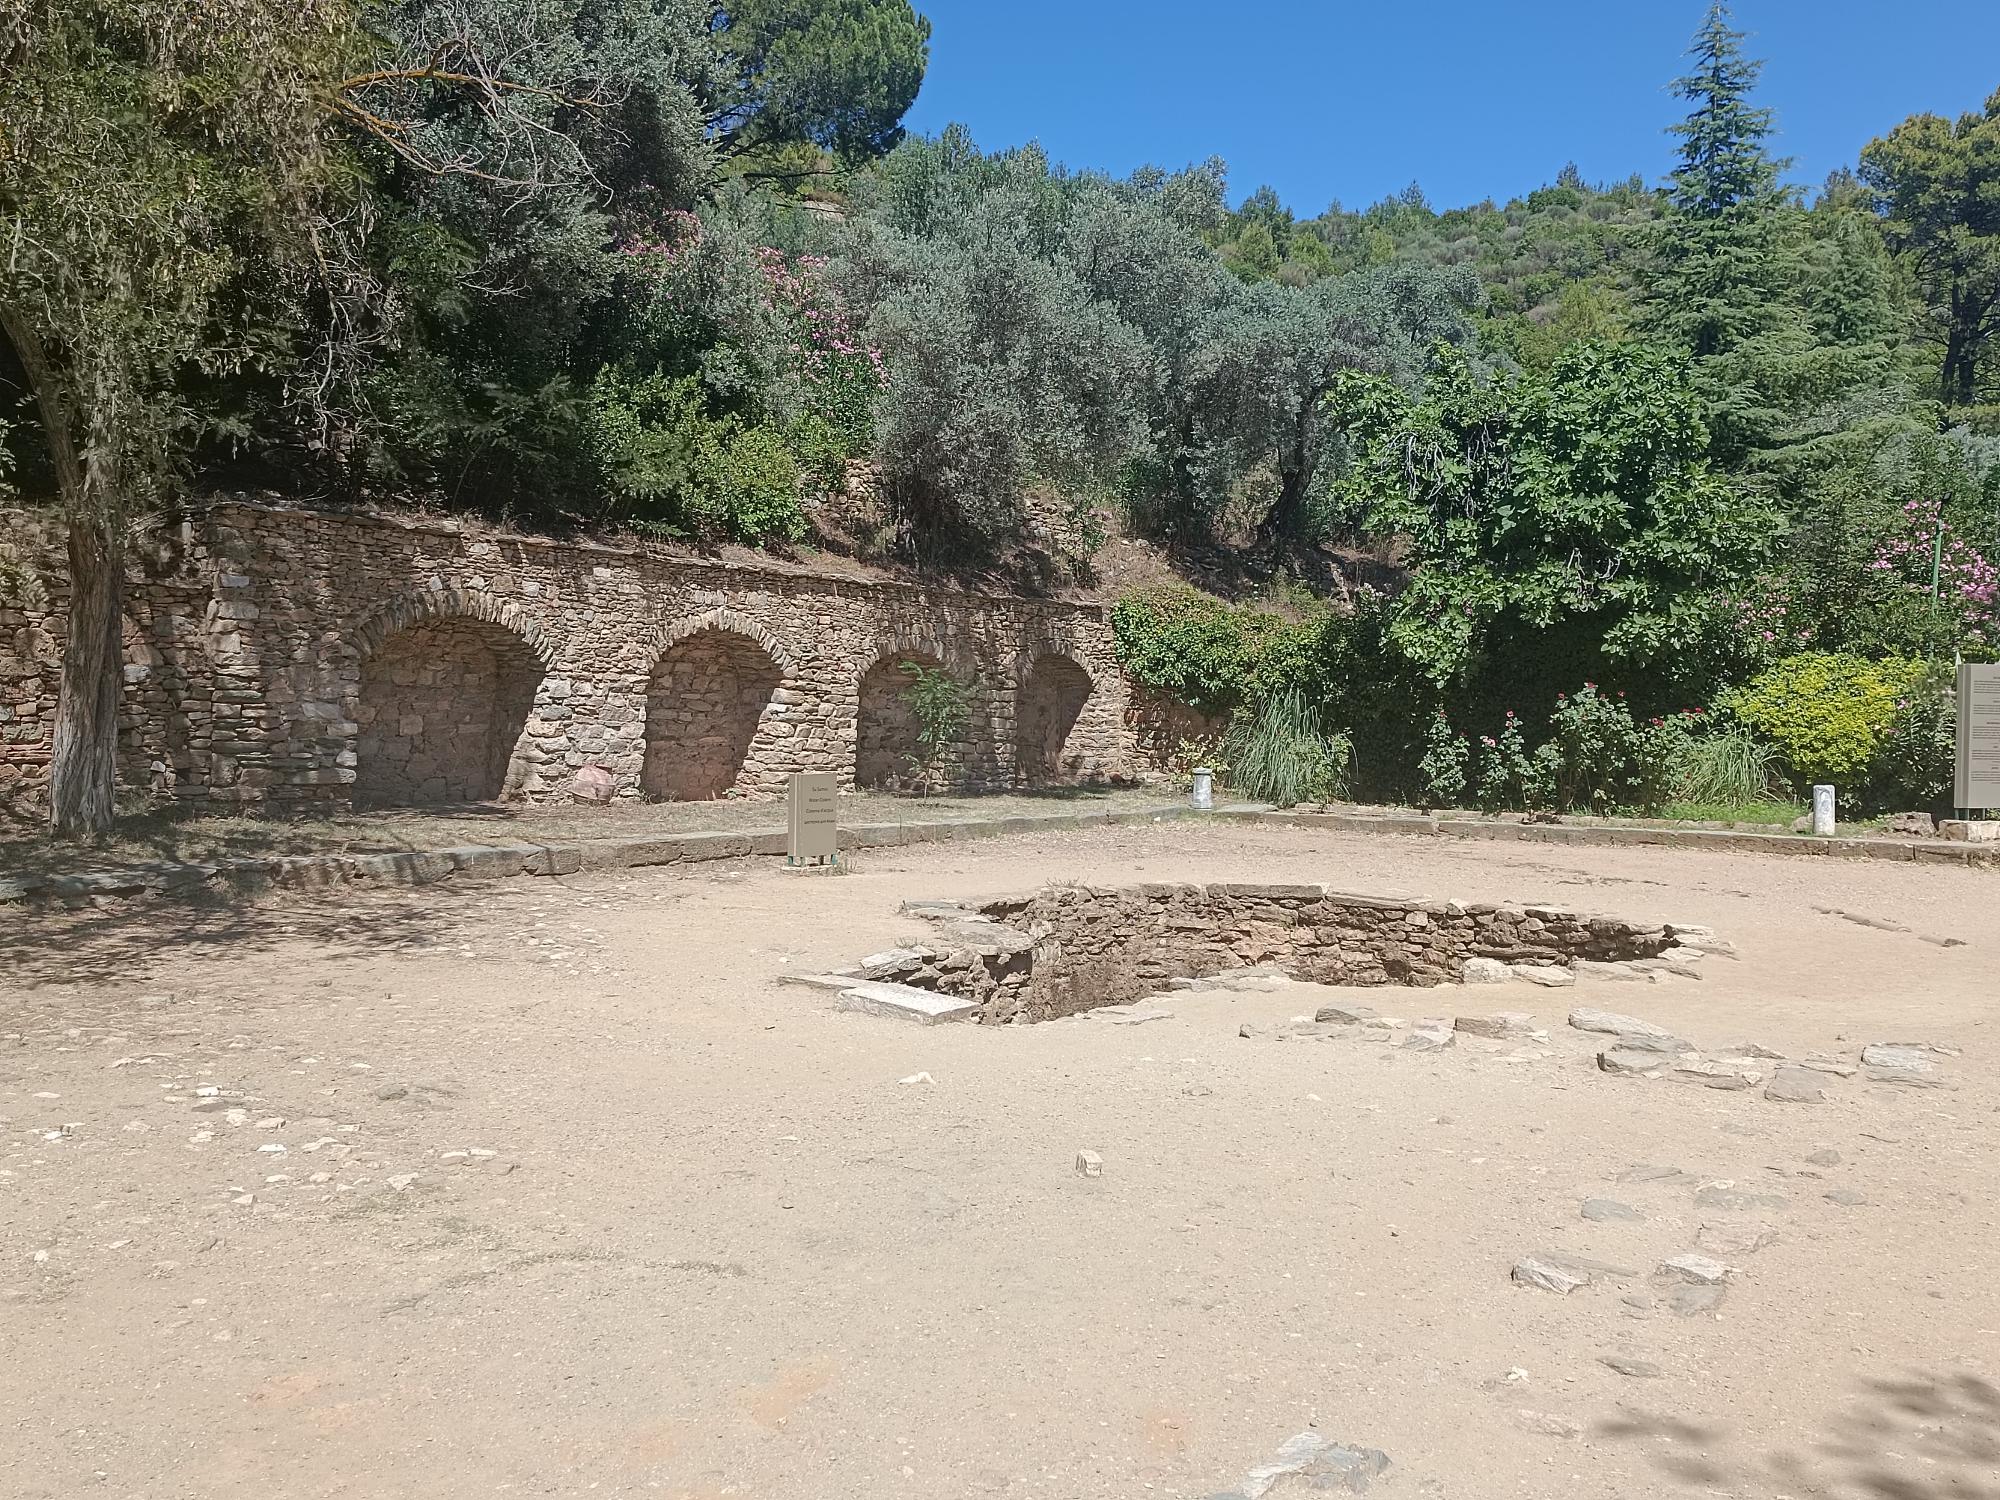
[1071,948]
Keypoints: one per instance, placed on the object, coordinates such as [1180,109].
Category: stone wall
[297,660]
[440,715]
[1072,948]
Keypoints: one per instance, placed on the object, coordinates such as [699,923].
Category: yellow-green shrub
[1827,714]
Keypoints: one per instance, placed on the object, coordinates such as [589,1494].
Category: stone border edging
[250,877]
[1424,825]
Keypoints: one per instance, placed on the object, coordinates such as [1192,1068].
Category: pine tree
[1724,259]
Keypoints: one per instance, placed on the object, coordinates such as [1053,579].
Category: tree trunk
[84,772]
[83,769]
[1961,362]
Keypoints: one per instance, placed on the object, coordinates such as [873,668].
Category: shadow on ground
[126,940]
[1923,1435]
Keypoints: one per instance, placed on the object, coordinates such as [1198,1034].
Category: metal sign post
[814,824]
[1977,784]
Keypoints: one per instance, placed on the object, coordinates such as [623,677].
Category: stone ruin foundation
[1072,948]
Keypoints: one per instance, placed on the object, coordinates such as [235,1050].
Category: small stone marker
[814,824]
[1977,784]
[1089,1164]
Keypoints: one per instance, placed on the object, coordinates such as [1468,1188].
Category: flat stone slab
[1548,976]
[1903,1063]
[1634,1369]
[1506,1025]
[1612,1023]
[1697,1269]
[1554,1271]
[905,1002]
[834,982]
[1794,1085]
[1321,1464]
[1609,1211]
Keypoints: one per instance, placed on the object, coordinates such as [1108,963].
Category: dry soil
[551,1188]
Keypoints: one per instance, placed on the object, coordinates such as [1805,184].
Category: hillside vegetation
[1628,452]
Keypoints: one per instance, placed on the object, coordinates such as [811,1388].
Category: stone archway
[443,703]
[1053,693]
[885,733]
[707,699]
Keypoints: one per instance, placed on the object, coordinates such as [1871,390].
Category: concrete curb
[1422,825]
[251,877]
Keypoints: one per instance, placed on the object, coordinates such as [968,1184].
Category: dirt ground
[550,1188]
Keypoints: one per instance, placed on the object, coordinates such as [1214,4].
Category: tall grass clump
[1731,768]
[1280,753]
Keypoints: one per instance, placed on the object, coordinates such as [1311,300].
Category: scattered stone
[390,1092]
[1485,971]
[1636,1369]
[1717,1073]
[1703,940]
[1690,1301]
[1793,1085]
[1666,1046]
[1846,1198]
[1820,1063]
[1611,1023]
[1609,1211]
[1630,1062]
[1507,1025]
[1900,1063]
[1321,1463]
[1548,976]
[1880,924]
[1701,1270]
[1916,825]
[1679,968]
[1617,973]
[1825,1158]
[1734,1239]
[1126,1015]
[1089,1164]
[1547,1424]
[402,1180]
[1753,1049]
[1669,1176]
[917,1078]
[1345,1015]
[1729,1197]
[1430,1036]
[1556,1272]
[893,962]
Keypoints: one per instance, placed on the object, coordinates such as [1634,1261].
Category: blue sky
[1336,99]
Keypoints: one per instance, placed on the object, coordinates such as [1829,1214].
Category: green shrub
[673,469]
[1279,753]
[1827,714]
[942,707]
[1184,643]
[1914,768]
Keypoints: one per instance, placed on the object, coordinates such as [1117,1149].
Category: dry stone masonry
[1073,948]
[295,660]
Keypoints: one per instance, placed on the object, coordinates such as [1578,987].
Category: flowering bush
[841,372]
[1968,583]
